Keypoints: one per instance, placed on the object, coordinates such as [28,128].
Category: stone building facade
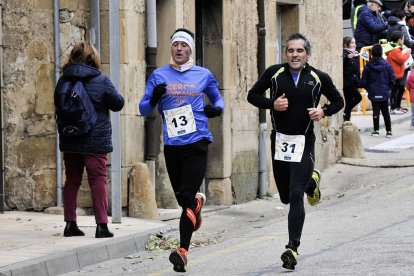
[228,38]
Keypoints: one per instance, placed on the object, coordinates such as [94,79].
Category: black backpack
[75,112]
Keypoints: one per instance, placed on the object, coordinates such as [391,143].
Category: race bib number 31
[289,148]
[180,121]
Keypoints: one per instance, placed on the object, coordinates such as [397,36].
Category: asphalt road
[363,225]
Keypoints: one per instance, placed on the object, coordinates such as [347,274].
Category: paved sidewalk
[32,243]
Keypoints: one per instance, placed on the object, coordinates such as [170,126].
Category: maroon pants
[96,170]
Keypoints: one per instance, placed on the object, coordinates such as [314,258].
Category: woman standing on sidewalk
[89,150]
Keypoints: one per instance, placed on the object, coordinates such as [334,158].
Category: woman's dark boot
[102,231]
[72,229]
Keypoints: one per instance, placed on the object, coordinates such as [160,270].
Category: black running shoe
[179,259]
[289,258]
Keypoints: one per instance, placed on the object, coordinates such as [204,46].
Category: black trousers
[381,107]
[186,166]
[397,92]
[293,179]
[352,98]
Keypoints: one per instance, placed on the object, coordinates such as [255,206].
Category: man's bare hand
[315,114]
[281,103]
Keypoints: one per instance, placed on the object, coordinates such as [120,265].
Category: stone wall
[29,130]
[231,54]
[245,120]
[324,29]
[29,78]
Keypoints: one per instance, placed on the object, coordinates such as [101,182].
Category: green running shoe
[316,197]
[289,258]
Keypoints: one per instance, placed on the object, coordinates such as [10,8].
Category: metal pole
[261,65]
[116,180]
[95,22]
[152,122]
[57,76]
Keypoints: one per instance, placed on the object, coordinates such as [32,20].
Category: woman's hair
[346,41]
[84,53]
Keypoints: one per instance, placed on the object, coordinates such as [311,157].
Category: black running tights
[397,92]
[293,179]
[186,166]
[352,98]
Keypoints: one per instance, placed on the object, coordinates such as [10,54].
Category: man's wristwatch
[325,110]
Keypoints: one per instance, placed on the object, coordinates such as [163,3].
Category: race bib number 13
[289,148]
[180,121]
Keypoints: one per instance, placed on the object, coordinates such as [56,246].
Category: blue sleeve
[145,108]
[213,93]
[372,23]
[113,98]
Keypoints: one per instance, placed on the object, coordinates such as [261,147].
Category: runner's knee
[186,199]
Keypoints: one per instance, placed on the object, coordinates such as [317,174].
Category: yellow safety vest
[356,16]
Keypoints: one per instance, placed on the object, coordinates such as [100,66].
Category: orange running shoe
[201,200]
[179,259]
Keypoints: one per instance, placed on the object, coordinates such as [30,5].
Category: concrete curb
[377,163]
[78,258]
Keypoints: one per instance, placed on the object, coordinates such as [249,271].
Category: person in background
[410,86]
[359,6]
[351,76]
[405,7]
[370,25]
[378,79]
[409,13]
[179,89]
[295,90]
[396,57]
[396,22]
[88,151]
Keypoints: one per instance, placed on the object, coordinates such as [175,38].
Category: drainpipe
[1,131]
[95,23]
[199,34]
[153,121]
[261,63]
[57,76]
[116,180]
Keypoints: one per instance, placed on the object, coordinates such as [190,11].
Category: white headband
[184,37]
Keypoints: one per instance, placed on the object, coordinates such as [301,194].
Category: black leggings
[352,98]
[293,179]
[382,107]
[397,92]
[186,166]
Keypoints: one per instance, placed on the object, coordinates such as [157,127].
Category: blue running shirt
[183,88]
